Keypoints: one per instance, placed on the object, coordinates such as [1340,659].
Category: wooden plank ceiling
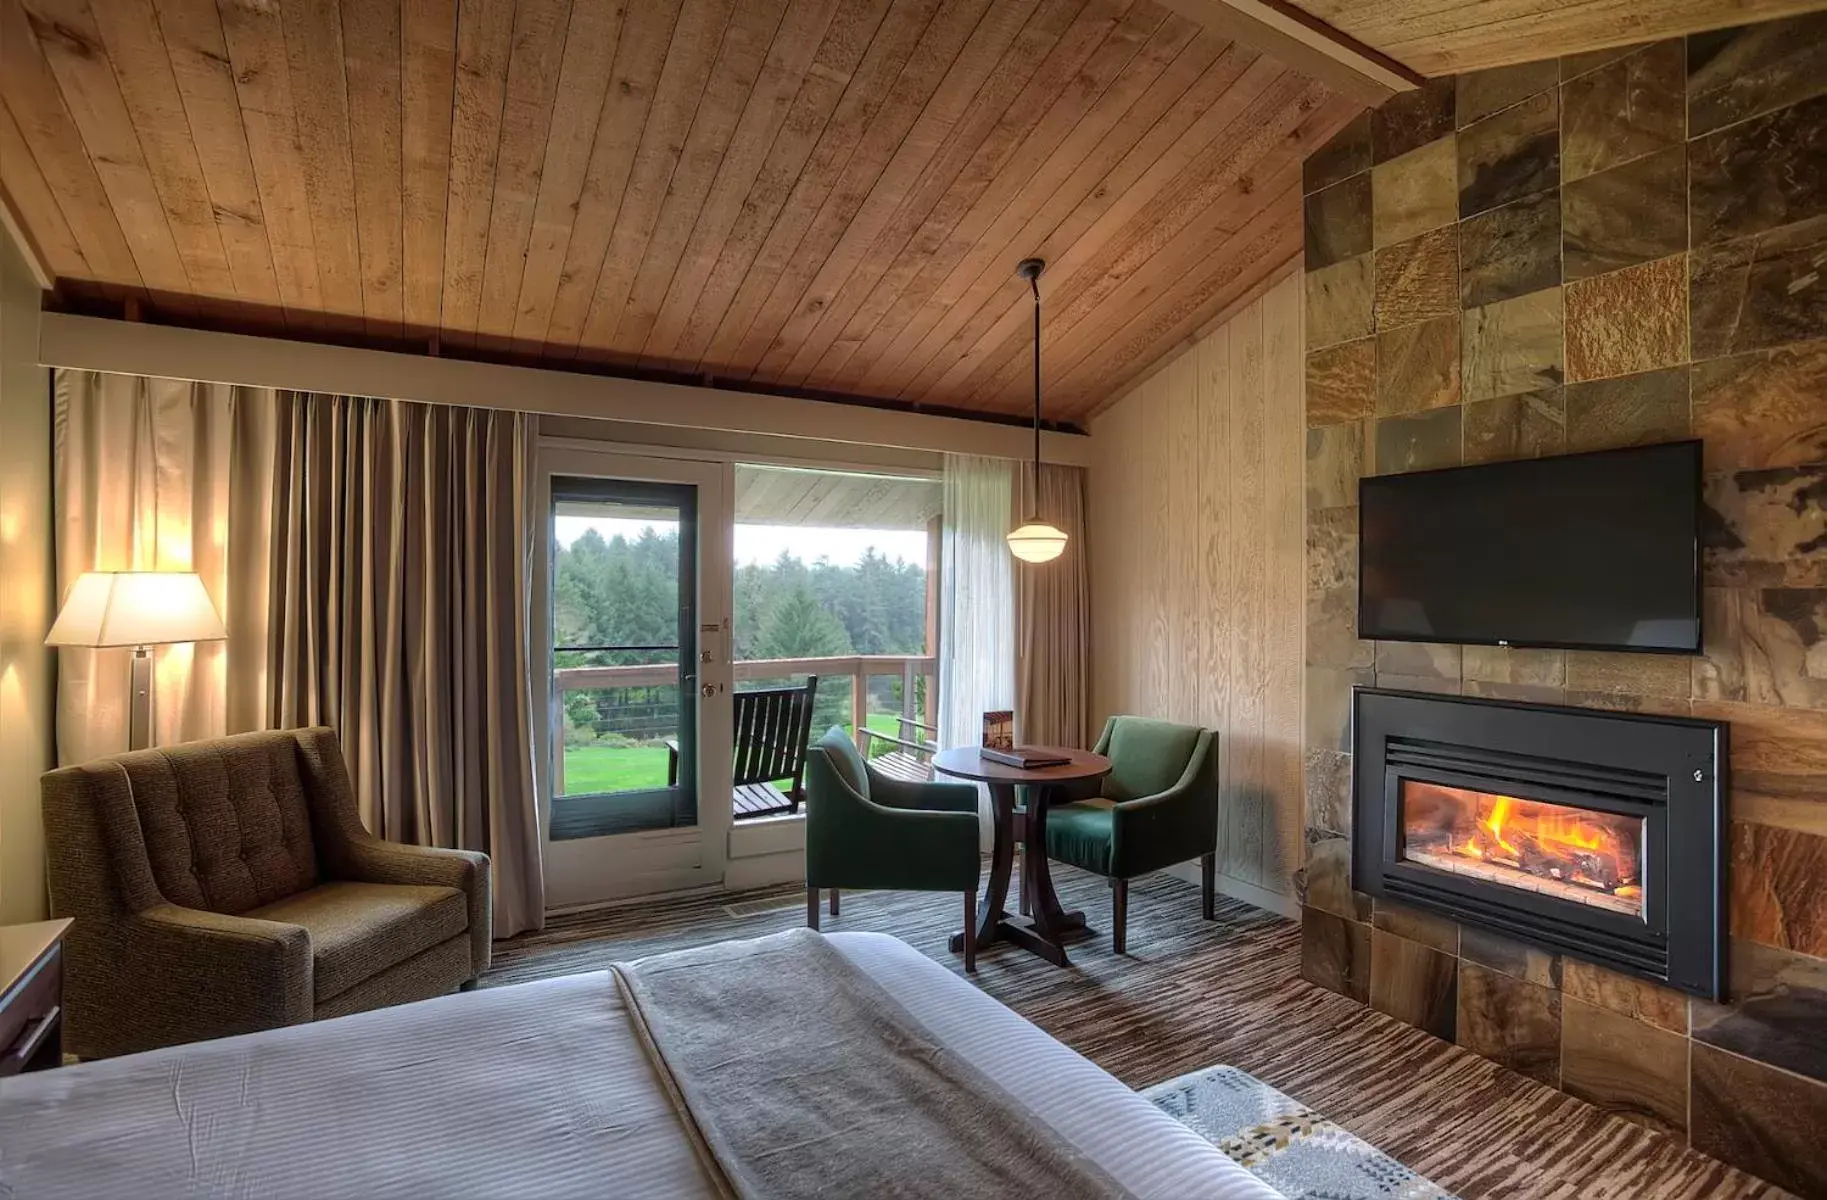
[816,196]
[1445,37]
[834,499]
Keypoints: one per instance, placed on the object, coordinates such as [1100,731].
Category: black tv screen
[1583,551]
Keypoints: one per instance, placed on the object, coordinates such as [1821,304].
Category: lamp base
[139,700]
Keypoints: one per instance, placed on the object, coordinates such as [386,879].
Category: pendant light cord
[1034,493]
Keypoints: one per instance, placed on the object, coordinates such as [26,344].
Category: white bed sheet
[540,1089]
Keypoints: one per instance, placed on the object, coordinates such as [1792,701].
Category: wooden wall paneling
[1047,211]
[795,81]
[255,41]
[1247,476]
[1185,698]
[1197,568]
[994,330]
[556,289]
[869,87]
[199,63]
[1154,573]
[32,211]
[697,302]
[541,30]
[1131,547]
[66,36]
[314,57]
[373,64]
[1219,630]
[1113,560]
[689,86]
[1003,186]
[1284,594]
[428,50]
[485,35]
[1200,211]
[1142,464]
[629,296]
[954,57]
[1001,117]
[1125,560]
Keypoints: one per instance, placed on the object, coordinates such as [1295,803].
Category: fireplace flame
[1500,812]
[1553,827]
[1576,848]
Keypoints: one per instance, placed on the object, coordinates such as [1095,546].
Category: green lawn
[594,769]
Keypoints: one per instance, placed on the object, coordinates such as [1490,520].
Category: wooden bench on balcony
[911,756]
[773,730]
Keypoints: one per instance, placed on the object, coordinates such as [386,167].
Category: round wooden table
[1046,932]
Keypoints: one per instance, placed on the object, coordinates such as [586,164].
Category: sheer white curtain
[977,599]
[164,475]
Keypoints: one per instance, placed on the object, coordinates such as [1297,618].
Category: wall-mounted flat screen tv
[1582,551]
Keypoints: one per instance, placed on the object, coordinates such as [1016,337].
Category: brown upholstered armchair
[226,886]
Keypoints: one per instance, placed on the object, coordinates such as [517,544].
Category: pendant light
[1035,541]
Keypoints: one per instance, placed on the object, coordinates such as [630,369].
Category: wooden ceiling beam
[1306,43]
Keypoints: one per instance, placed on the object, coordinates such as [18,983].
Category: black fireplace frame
[1669,771]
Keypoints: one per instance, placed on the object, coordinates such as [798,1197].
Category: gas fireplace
[1592,833]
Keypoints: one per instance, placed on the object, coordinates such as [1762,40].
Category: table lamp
[140,609]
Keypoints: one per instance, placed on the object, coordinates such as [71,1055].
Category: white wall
[26,675]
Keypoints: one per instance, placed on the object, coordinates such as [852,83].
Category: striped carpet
[1190,994]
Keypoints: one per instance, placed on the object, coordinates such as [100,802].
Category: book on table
[1027,758]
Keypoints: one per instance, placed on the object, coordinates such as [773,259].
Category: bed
[540,1089]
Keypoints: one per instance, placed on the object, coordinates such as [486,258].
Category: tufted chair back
[226,822]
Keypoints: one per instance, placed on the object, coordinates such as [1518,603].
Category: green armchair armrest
[922,797]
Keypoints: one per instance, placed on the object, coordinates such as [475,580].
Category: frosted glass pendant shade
[1037,542]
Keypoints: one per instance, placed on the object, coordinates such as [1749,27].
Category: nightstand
[31,996]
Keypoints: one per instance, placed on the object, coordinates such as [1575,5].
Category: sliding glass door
[634,601]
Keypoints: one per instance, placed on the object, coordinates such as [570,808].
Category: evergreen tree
[798,626]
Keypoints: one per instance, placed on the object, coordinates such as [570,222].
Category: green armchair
[869,830]
[1157,807]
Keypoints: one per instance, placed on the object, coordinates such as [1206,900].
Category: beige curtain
[401,576]
[1053,618]
[164,474]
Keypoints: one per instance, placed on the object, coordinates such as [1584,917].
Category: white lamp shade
[1037,542]
[136,608]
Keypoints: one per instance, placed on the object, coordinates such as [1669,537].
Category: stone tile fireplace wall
[1622,247]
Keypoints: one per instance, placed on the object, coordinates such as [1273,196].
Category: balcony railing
[859,669]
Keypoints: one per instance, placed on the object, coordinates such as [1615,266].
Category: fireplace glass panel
[1559,850]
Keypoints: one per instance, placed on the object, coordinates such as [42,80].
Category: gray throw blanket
[802,1077]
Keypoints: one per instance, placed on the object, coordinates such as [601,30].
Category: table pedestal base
[1044,934]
